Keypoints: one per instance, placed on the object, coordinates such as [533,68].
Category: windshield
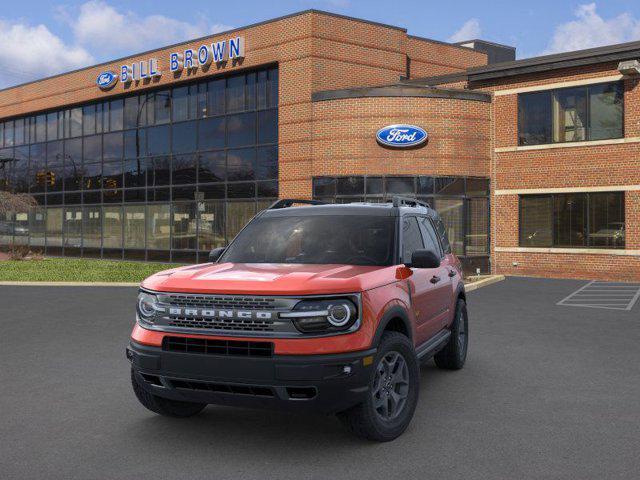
[343,239]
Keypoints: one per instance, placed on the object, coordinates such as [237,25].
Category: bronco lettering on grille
[214,313]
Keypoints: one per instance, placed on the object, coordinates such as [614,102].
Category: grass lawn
[78,270]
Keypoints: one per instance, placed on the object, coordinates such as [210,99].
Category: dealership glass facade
[462,202]
[163,175]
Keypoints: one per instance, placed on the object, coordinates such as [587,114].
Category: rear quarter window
[442,234]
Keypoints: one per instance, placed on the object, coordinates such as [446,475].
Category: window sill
[570,251]
[589,143]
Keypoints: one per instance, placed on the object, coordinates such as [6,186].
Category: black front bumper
[320,383]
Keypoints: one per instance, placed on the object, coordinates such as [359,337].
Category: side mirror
[424,259]
[215,254]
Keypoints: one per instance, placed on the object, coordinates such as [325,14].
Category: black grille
[254,390]
[212,301]
[217,347]
[221,324]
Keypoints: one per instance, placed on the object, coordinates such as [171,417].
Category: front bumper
[320,383]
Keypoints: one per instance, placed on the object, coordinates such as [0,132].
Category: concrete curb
[483,283]
[70,284]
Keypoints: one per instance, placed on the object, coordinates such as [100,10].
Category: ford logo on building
[401,136]
[106,80]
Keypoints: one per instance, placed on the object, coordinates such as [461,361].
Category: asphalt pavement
[548,392]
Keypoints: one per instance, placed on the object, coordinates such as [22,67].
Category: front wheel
[393,392]
[164,406]
[453,356]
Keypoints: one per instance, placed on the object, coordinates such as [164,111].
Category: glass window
[241,130]
[570,115]
[180,104]
[268,126]
[162,106]
[131,112]
[54,227]
[37,168]
[112,146]
[429,236]
[273,88]
[55,167]
[73,227]
[606,220]
[210,225]
[184,137]
[534,118]
[135,143]
[238,214]
[241,164]
[112,227]
[211,133]
[134,225]
[75,122]
[452,214]
[250,91]
[606,111]
[184,226]
[350,186]
[89,115]
[374,186]
[37,226]
[92,176]
[21,169]
[449,186]
[324,187]
[477,234]
[536,221]
[41,128]
[134,173]
[400,186]
[570,220]
[411,238]
[477,186]
[215,97]
[158,140]
[92,227]
[235,93]
[72,164]
[158,171]
[261,89]
[158,227]
[112,175]
[102,119]
[116,115]
[211,167]
[92,149]
[184,169]
[19,132]
[267,163]
[8,134]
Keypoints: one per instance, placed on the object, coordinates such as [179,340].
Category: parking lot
[548,392]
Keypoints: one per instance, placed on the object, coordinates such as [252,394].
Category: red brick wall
[564,167]
[429,58]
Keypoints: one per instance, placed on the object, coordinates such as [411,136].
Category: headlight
[323,316]
[147,306]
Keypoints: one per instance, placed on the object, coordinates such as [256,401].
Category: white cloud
[469,31]
[591,30]
[107,31]
[29,52]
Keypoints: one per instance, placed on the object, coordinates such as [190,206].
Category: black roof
[356,208]
[590,56]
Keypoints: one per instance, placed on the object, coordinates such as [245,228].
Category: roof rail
[287,202]
[408,202]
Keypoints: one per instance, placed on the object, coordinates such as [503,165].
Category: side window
[429,234]
[442,234]
[411,238]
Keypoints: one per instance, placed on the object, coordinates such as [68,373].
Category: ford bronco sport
[326,308]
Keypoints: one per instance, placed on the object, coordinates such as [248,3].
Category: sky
[39,38]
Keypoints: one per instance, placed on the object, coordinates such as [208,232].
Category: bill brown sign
[189,59]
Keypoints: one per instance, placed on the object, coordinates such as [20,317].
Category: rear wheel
[164,406]
[453,356]
[393,392]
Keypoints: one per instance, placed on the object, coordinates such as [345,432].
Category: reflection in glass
[134,225]
[184,226]
[112,227]
[158,226]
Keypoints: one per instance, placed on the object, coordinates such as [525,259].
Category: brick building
[166,154]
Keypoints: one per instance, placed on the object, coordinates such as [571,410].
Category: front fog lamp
[323,316]
[147,306]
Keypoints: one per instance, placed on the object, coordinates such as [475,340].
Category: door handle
[434,279]
[452,273]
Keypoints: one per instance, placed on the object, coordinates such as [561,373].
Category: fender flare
[393,312]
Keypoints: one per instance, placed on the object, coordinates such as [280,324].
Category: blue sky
[43,37]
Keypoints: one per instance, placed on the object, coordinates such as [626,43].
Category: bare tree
[16,202]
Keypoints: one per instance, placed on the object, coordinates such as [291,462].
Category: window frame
[552,92]
[587,223]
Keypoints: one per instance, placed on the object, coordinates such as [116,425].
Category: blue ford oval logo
[401,136]
[106,80]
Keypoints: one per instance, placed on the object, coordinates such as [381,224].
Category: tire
[454,354]
[367,420]
[164,406]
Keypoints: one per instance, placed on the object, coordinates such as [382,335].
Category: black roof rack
[287,202]
[408,202]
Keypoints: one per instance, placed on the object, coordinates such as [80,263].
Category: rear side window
[430,239]
[442,234]
[411,238]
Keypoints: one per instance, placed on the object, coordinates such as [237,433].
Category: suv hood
[270,279]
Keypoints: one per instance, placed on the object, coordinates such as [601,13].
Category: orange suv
[326,308]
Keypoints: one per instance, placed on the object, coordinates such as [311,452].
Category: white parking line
[612,296]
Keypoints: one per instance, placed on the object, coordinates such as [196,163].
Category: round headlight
[339,314]
[146,305]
